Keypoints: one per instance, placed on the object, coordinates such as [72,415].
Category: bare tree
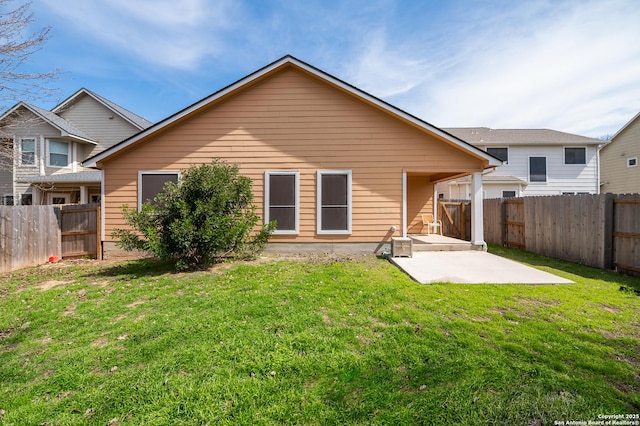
[17,83]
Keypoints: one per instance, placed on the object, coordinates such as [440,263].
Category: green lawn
[321,340]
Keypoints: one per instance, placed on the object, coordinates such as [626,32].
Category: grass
[322,340]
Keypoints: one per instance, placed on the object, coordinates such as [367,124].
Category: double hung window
[58,154]
[537,169]
[27,152]
[281,200]
[334,202]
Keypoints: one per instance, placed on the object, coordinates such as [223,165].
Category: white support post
[477,225]
[84,194]
[404,204]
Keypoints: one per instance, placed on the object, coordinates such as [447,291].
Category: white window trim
[151,172]
[267,204]
[35,152]
[564,156]
[319,229]
[629,162]
[546,176]
[69,159]
[505,147]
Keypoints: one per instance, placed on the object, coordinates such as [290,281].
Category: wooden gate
[80,230]
[626,234]
[456,218]
[514,225]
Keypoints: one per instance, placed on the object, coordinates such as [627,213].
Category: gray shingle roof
[491,178]
[91,176]
[59,122]
[485,135]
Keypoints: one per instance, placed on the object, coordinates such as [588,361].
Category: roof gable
[629,124]
[134,119]
[65,128]
[269,70]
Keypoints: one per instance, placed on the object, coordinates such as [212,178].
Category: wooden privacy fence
[31,235]
[596,230]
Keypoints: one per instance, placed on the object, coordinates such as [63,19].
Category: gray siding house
[535,162]
[41,151]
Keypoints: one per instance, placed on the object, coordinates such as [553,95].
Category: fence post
[503,218]
[607,231]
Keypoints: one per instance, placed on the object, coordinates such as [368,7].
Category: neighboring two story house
[41,151]
[619,159]
[536,162]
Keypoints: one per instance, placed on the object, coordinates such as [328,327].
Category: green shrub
[204,218]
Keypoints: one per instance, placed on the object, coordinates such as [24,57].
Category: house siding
[99,122]
[616,177]
[560,177]
[291,121]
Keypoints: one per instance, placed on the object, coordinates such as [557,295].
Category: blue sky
[567,65]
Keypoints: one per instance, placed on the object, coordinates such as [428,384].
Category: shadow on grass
[626,282]
[136,269]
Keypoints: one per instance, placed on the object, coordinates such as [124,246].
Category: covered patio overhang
[86,184]
[419,197]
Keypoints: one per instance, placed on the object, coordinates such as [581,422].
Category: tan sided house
[619,158]
[338,169]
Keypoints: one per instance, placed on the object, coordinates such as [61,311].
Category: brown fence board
[596,230]
[626,235]
[29,235]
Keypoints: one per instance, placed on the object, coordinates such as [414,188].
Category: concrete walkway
[471,267]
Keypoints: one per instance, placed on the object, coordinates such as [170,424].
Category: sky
[567,65]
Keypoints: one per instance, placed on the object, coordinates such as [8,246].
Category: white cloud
[564,65]
[162,32]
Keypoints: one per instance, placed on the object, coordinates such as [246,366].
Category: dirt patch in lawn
[48,285]
[136,303]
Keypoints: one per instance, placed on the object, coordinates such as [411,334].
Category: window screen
[334,202]
[282,201]
[575,156]
[537,169]
[501,153]
[508,194]
[153,183]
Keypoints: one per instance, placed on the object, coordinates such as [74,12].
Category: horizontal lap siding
[294,122]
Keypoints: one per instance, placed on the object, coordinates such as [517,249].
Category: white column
[477,226]
[42,157]
[404,204]
[84,194]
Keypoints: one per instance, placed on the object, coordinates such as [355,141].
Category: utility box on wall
[401,247]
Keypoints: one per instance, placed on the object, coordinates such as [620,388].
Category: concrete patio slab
[471,267]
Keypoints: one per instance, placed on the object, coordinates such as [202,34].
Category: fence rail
[596,230]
